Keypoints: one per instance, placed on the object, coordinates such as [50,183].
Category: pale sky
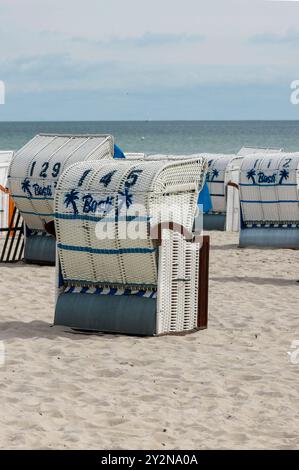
[148,59]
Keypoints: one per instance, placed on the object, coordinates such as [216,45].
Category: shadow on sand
[40,329]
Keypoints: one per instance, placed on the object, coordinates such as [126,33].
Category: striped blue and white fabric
[151,294]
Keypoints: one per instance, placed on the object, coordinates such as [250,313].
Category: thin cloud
[288,38]
[61,72]
[146,40]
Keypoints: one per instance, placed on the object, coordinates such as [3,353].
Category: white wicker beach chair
[223,170]
[33,176]
[269,200]
[128,260]
[222,180]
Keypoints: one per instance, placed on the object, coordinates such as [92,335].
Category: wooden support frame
[203,283]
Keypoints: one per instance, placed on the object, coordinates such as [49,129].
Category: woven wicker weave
[178,285]
[120,261]
[269,189]
[135,156]
[155,186]
[219,174]
[221,170]
[162,156]
[36,167]
[247,151]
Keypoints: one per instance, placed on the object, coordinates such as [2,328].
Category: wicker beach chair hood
[36,167]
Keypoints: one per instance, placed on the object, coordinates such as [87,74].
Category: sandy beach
[231,386]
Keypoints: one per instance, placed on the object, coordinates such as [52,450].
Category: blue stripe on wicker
[267,184]
[104,218]
[103,251]
[268,202]
[33,198]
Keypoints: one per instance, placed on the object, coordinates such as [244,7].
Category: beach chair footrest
[110,314]
[40,249]
[270,237]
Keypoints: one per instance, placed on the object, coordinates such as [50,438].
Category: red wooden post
[203,284]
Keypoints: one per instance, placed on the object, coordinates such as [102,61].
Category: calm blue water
[166,136]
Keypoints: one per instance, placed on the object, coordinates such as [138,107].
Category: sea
[168,137]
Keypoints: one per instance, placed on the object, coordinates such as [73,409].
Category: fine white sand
[231,386]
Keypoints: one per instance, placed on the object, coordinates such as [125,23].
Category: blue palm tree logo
[215,174]
[26,185]
[70,200]
[251,175]
[284,175]
[126,197]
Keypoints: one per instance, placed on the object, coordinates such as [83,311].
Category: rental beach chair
[269,200]
[222,170]
[128,260]
[33,176]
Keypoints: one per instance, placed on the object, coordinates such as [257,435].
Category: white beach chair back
[217,178]
[134,156]
[90,199]
[164,156]
[246,151]
[36,167]
[269,189]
